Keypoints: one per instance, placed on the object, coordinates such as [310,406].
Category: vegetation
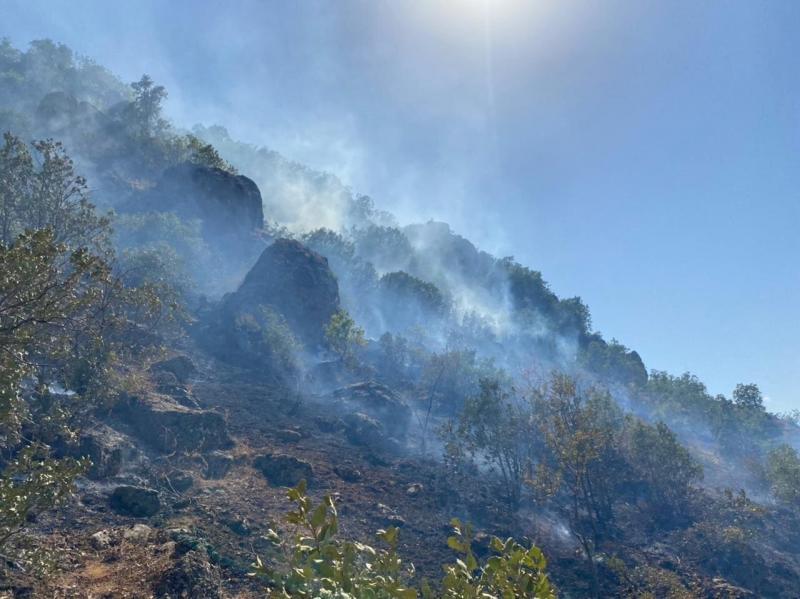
[344,337]
[319,564]
[613,454]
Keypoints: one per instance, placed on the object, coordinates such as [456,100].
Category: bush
[319,564]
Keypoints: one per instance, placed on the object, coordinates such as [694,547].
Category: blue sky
[642,155]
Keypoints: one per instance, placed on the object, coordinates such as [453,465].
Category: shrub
[316,563]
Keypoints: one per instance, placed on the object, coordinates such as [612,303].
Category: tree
[748,397]
[50,195]
[344,337]
[783,474]
[494,426]
[145,110]
[665,468]
[581,461]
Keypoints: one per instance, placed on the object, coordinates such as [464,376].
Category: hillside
[191,325]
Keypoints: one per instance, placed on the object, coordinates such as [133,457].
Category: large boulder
[283,470]
[223,201]
[295,282]
[366,432]
[377,401]
[138,502]
[169,426]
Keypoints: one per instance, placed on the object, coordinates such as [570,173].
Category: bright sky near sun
[642,155]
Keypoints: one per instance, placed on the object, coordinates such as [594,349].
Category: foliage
[450,377]
[68,322]
[266,338]
[205,154]
[144,112]
[612,361]
[39,188]
[495,427]
[664,469]
[344,336]
[580,429]
[783,474]
[319,564]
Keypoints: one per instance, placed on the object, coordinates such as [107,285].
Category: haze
[643,157]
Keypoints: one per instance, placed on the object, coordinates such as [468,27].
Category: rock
[135,501]
[138,533]
[171,427]
[328,425]
[414,489]
[379,402]
[237,525]
[224,202]
[192,576]
[367,432]
[180,482]
[180,367]
[283,470]
[101,540]
[289,436]
[108,450]
[294,281]
[218,464]
[390,517]
[348,473]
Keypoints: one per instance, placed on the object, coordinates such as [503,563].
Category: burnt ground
[225,516]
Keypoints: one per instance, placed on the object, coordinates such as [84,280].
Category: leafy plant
[319,564]
[344,336]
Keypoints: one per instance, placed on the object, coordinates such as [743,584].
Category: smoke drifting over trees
[153,279]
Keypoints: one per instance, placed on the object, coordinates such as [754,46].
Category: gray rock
[180,367]
[101,540]
[138,533]
[218,464]
[379,402]
[297,283]
[365,431]
[283,470]
[135,501]
[192,576]
[170,427]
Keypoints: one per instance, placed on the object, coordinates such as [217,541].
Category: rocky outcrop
[283,470]
[181,367]
[377,401]
[135,501]
[368,433]
[295,282]
[170,427]
[224,202]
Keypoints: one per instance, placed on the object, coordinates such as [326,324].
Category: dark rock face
[365,431]
[224,202]
[283,470]
[379,402]
[218,464]
[169,426]
[108,450]
[135,501]
[181,367]
[191,576]
[294,281]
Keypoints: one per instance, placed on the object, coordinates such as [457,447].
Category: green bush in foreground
[318,564]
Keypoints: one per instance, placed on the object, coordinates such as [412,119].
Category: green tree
[344,336]
[581,463]
[666,468]
[145,110]
[783,474]
[495,427]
